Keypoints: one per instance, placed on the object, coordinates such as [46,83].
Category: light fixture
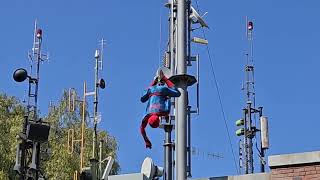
[196,18]
[20,75]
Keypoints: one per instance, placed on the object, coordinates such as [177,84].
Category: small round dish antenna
[150,170]
[165,71]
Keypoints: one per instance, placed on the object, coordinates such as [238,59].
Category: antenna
[72,99]
[249,130]
[102,44]
[198,152]
[178,58]
[92,171]
[35,131]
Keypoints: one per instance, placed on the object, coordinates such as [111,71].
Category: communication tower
[34,131]
[248,126]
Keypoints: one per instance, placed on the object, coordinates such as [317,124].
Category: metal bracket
[176,79]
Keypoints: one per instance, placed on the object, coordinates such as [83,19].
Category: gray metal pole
[95,112]
[168,152]
[262,168]
[181,103]
[168,128]
[93,159]
[245,141]
[189,143]
[172,41]
[100,158]
[250,155]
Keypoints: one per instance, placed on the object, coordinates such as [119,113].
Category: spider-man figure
[158,96]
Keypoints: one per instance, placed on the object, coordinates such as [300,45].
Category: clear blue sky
[286,57]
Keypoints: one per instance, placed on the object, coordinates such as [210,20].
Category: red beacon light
[39,33]
[250,25]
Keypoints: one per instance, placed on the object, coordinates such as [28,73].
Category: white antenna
[102,44]
[34,50]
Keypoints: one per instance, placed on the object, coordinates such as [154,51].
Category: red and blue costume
[158,96]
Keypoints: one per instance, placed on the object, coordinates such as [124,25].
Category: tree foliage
[56,162]
[11,118]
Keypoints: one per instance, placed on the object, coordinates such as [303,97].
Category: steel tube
[181,102]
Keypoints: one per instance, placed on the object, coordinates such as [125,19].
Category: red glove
[168,82]
[148,144]
[154,82]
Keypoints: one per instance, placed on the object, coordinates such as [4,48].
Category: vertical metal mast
[38,58]
[31,138]
[168,126]
[182,16]
[97,83]
[250,99]
[249,129]
[181,103]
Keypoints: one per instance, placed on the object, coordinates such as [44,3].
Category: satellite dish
[150,170]
[196,18]
[165,71]
[20,75]
[102,83]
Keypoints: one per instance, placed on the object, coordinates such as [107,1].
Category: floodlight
[199,40]
[150,170]
[20,75]
[196,18]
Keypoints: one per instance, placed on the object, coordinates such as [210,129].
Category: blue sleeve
[172,92]
[145,96]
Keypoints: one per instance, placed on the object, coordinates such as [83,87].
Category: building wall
[299,166]
[298,172]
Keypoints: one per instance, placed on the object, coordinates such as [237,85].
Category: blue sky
[286,58]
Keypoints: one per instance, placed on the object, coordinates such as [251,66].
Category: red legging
[154,121]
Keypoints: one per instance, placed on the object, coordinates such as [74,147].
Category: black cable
[219,97]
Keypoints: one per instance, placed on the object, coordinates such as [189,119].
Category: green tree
[60,164]
[11,118]
[56,162]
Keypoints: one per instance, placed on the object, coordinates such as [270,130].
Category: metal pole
[168,128]
[35,115]
[100,158]
[181,103]
[172,42]
[189,142]
[168,152]
[95,114]
[83,125]
[23,149]
[250,153]
[262,167]
[245,144]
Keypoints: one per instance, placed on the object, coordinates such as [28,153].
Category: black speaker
[20,75]
[38,132]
